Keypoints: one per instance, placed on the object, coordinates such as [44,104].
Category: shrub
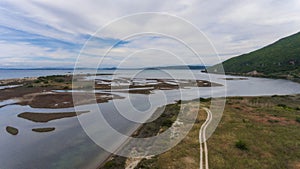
[273,121]
[110,164]
[167,123]
[59,80]
[41,78]
[282,105]
[204,100]
[37,81]
[29,85]
[241,145]
[298,119]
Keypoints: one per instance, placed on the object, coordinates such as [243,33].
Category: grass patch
[243,139]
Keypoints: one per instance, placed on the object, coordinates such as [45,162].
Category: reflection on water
[7,102]
[9,86]
[62,143]
[66,147]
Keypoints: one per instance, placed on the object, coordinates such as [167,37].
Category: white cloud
[233,26]
[22,55]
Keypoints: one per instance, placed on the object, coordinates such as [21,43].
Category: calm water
[69,147]
[11,74]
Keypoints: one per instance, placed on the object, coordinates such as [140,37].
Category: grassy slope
[267,125]
[274,60]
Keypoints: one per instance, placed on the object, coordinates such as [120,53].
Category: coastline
[32,90]
[260,75]
[44,88]
[247,115]
[206,102]
[142,131]
[236,97]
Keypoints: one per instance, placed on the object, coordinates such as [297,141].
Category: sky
[52,33]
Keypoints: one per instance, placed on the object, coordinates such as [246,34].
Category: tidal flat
[47,107]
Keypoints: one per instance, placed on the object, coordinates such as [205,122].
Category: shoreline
[139,132]
[30,90]
[284,105]
[296,80]
[141,129]
[39,88]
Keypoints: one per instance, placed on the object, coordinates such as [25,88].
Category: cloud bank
[50,33]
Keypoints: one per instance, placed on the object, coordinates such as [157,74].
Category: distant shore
[261,75]
[28,91]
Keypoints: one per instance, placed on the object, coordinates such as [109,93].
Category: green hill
[278,60]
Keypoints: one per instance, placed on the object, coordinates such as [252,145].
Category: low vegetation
[247,137]
[60,81]
[241,145]
[162,123]
[298,119]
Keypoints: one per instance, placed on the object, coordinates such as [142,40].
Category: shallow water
[69,147]
[9,86]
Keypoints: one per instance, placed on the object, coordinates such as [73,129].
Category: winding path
[202,140]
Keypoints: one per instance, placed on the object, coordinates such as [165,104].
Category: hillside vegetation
[278,60]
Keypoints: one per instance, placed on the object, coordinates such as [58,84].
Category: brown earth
[12,130]
[64,100]
[42,130]
[46,117]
